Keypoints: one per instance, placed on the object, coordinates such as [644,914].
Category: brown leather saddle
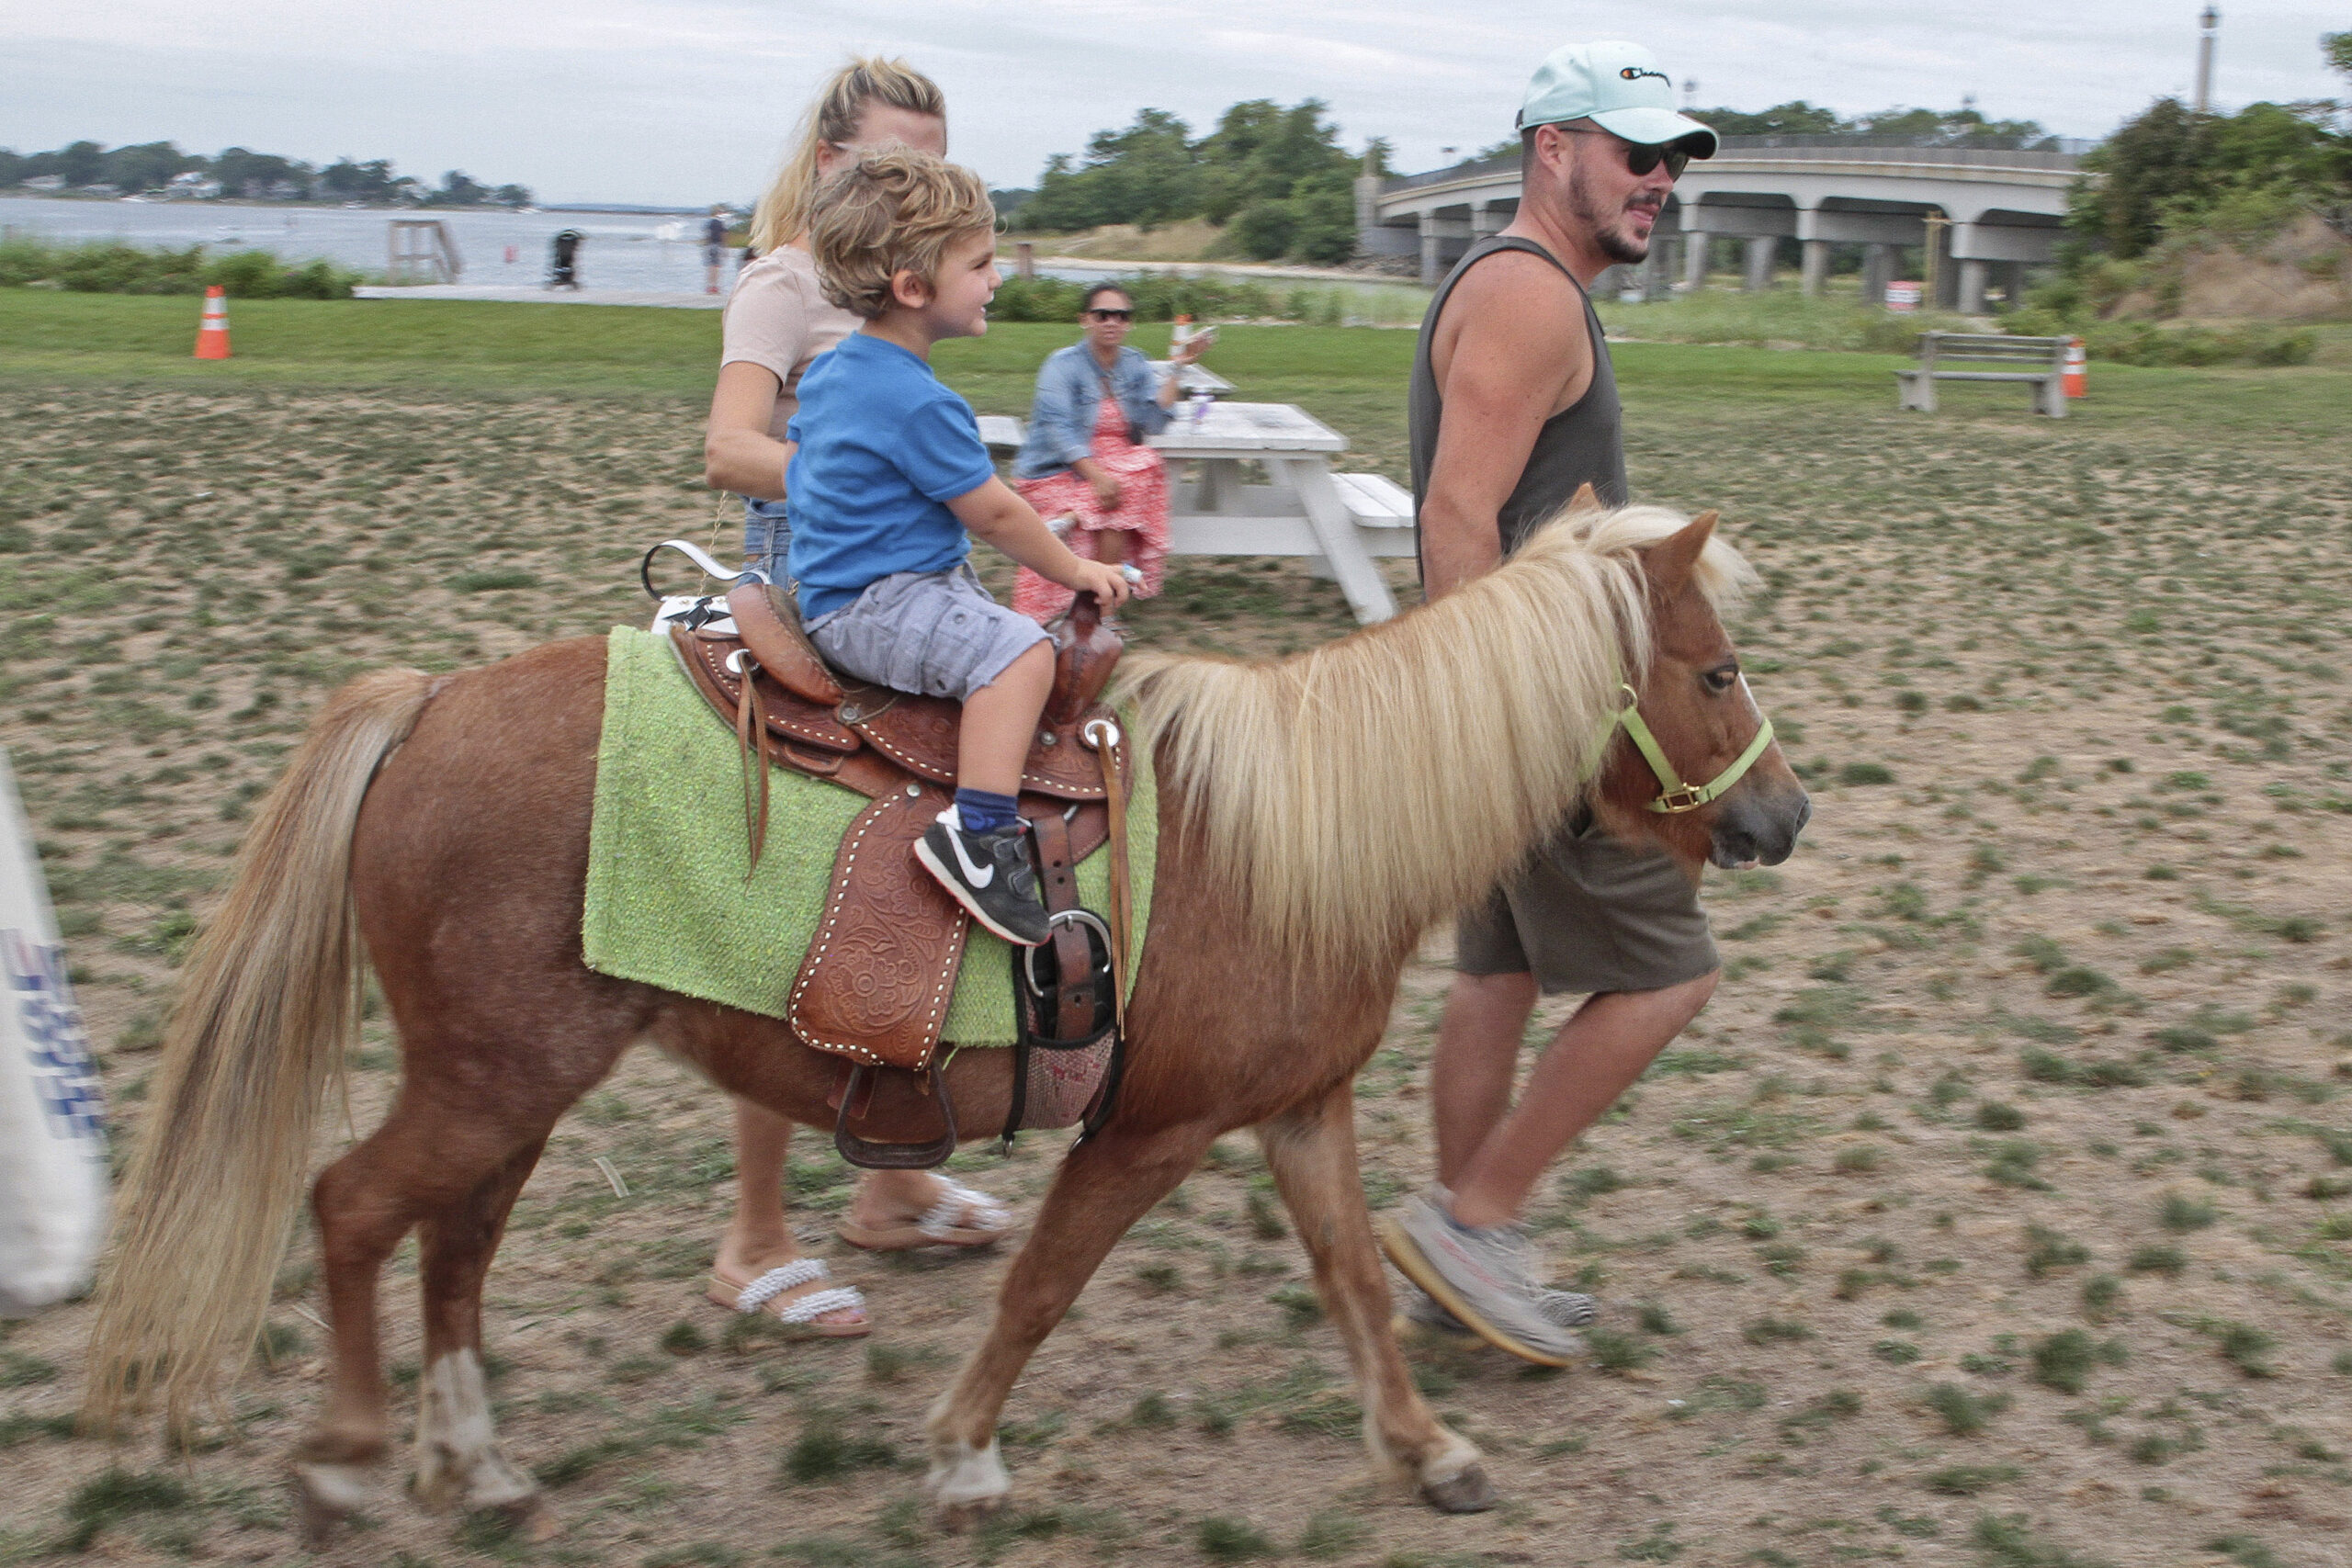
[875,984]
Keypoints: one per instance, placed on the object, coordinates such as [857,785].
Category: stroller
[563,262]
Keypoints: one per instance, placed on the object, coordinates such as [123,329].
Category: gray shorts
[1590,914]
[936,633]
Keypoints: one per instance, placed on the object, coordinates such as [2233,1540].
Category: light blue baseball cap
[1619,88]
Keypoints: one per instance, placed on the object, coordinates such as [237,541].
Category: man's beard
[1614,244]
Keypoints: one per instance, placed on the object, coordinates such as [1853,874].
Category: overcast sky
[690,100]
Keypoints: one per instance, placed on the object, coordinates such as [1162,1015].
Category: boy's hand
[1107,583]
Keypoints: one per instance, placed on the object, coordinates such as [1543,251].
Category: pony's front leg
[1312,1150]
[1105,1185]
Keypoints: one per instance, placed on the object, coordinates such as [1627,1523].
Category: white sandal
[800,1311]
[961,1217]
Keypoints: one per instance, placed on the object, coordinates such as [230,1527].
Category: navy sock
[981,812]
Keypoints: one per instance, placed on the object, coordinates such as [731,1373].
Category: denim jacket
[1069,390]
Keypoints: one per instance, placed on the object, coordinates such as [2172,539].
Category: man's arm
[1512,351]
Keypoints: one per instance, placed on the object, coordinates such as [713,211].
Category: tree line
[241,172]
[1276,179]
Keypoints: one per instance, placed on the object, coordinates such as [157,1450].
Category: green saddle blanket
[668,904]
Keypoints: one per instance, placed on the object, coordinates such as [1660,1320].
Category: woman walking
[1084,457]
[776,321]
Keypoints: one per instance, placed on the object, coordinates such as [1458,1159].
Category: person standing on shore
[776,321]
[1513,408]
[714,248]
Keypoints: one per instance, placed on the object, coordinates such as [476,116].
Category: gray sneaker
[1569,1309]
[1482,1276]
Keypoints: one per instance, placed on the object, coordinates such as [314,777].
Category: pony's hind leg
[1312,1151]
[452,1170]
[1105,1185]
[362,1212]
[458,1463]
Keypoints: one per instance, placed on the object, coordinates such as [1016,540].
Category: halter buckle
[1675,802]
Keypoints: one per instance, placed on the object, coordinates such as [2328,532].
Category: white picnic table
[1343,521]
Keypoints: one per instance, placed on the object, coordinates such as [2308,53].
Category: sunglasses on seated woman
[1111,315]
[1640,159]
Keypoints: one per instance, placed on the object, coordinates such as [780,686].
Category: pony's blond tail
[264,1018]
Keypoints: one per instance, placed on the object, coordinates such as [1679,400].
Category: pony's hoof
[324,1496]
[528,1520]
[969,1513]
[967,1484]
[1466,1492]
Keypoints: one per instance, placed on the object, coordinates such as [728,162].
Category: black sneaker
[991,875]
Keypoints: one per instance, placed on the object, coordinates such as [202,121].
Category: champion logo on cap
[1634,73]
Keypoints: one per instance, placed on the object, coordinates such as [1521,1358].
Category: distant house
[195,184]
[46,181]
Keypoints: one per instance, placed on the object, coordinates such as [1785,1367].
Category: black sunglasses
[1111,315]
[1641,159]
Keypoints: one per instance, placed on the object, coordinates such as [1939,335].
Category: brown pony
[1317,815]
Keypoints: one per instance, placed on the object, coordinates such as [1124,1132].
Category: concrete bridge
[1979,209]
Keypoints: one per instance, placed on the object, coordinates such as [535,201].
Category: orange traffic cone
[2077,381]
[212,337]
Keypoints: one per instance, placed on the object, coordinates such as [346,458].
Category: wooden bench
[1375,503]
[2037,361]
[1002,433]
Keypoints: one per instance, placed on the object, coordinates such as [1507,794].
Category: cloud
[687,100]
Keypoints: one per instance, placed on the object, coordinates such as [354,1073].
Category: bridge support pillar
[2013,283]
[1488,220]
[1694,259]
[1432,254]
[1816,265]
[1972,279]
[1878,271]
[1758,274]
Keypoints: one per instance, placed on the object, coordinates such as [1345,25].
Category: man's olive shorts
[1590,914]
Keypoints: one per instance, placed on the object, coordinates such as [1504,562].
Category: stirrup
[874,1155]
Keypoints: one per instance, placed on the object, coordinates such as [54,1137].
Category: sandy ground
[1997,1210]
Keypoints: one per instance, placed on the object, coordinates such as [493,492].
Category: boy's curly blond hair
[893,210]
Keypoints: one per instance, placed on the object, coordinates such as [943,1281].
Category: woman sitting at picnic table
[1084,459]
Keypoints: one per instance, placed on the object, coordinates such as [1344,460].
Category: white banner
[52,1119]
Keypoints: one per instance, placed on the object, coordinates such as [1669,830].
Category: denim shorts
[766,537]
[937,633]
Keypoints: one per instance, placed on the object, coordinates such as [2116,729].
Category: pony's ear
[1585,500]
[1671,559]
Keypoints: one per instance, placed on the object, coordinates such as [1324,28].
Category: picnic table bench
[1340,522]
[1947,356]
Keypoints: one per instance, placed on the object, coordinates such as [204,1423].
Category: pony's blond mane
[1349,796]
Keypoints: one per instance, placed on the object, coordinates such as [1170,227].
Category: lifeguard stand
[422,250]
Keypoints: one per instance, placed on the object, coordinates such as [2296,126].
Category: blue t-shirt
[882,445]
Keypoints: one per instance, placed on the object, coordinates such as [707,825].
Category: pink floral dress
[1141,514]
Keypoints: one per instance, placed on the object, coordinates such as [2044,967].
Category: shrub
[106,266]
[1965,1413]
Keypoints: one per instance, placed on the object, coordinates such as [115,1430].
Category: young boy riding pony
[889,481]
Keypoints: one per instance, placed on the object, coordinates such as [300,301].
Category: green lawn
[1352,378]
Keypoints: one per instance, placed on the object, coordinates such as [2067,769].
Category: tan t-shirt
[779,319]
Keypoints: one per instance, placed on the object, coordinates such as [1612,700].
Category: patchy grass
[1973,1079]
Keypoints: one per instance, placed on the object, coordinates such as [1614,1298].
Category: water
[622,251]
[652,252]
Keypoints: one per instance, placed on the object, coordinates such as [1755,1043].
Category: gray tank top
[1583,444]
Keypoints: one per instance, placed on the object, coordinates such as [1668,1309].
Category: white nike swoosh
[978,877]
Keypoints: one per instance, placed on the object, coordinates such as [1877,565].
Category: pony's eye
[1722,678]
